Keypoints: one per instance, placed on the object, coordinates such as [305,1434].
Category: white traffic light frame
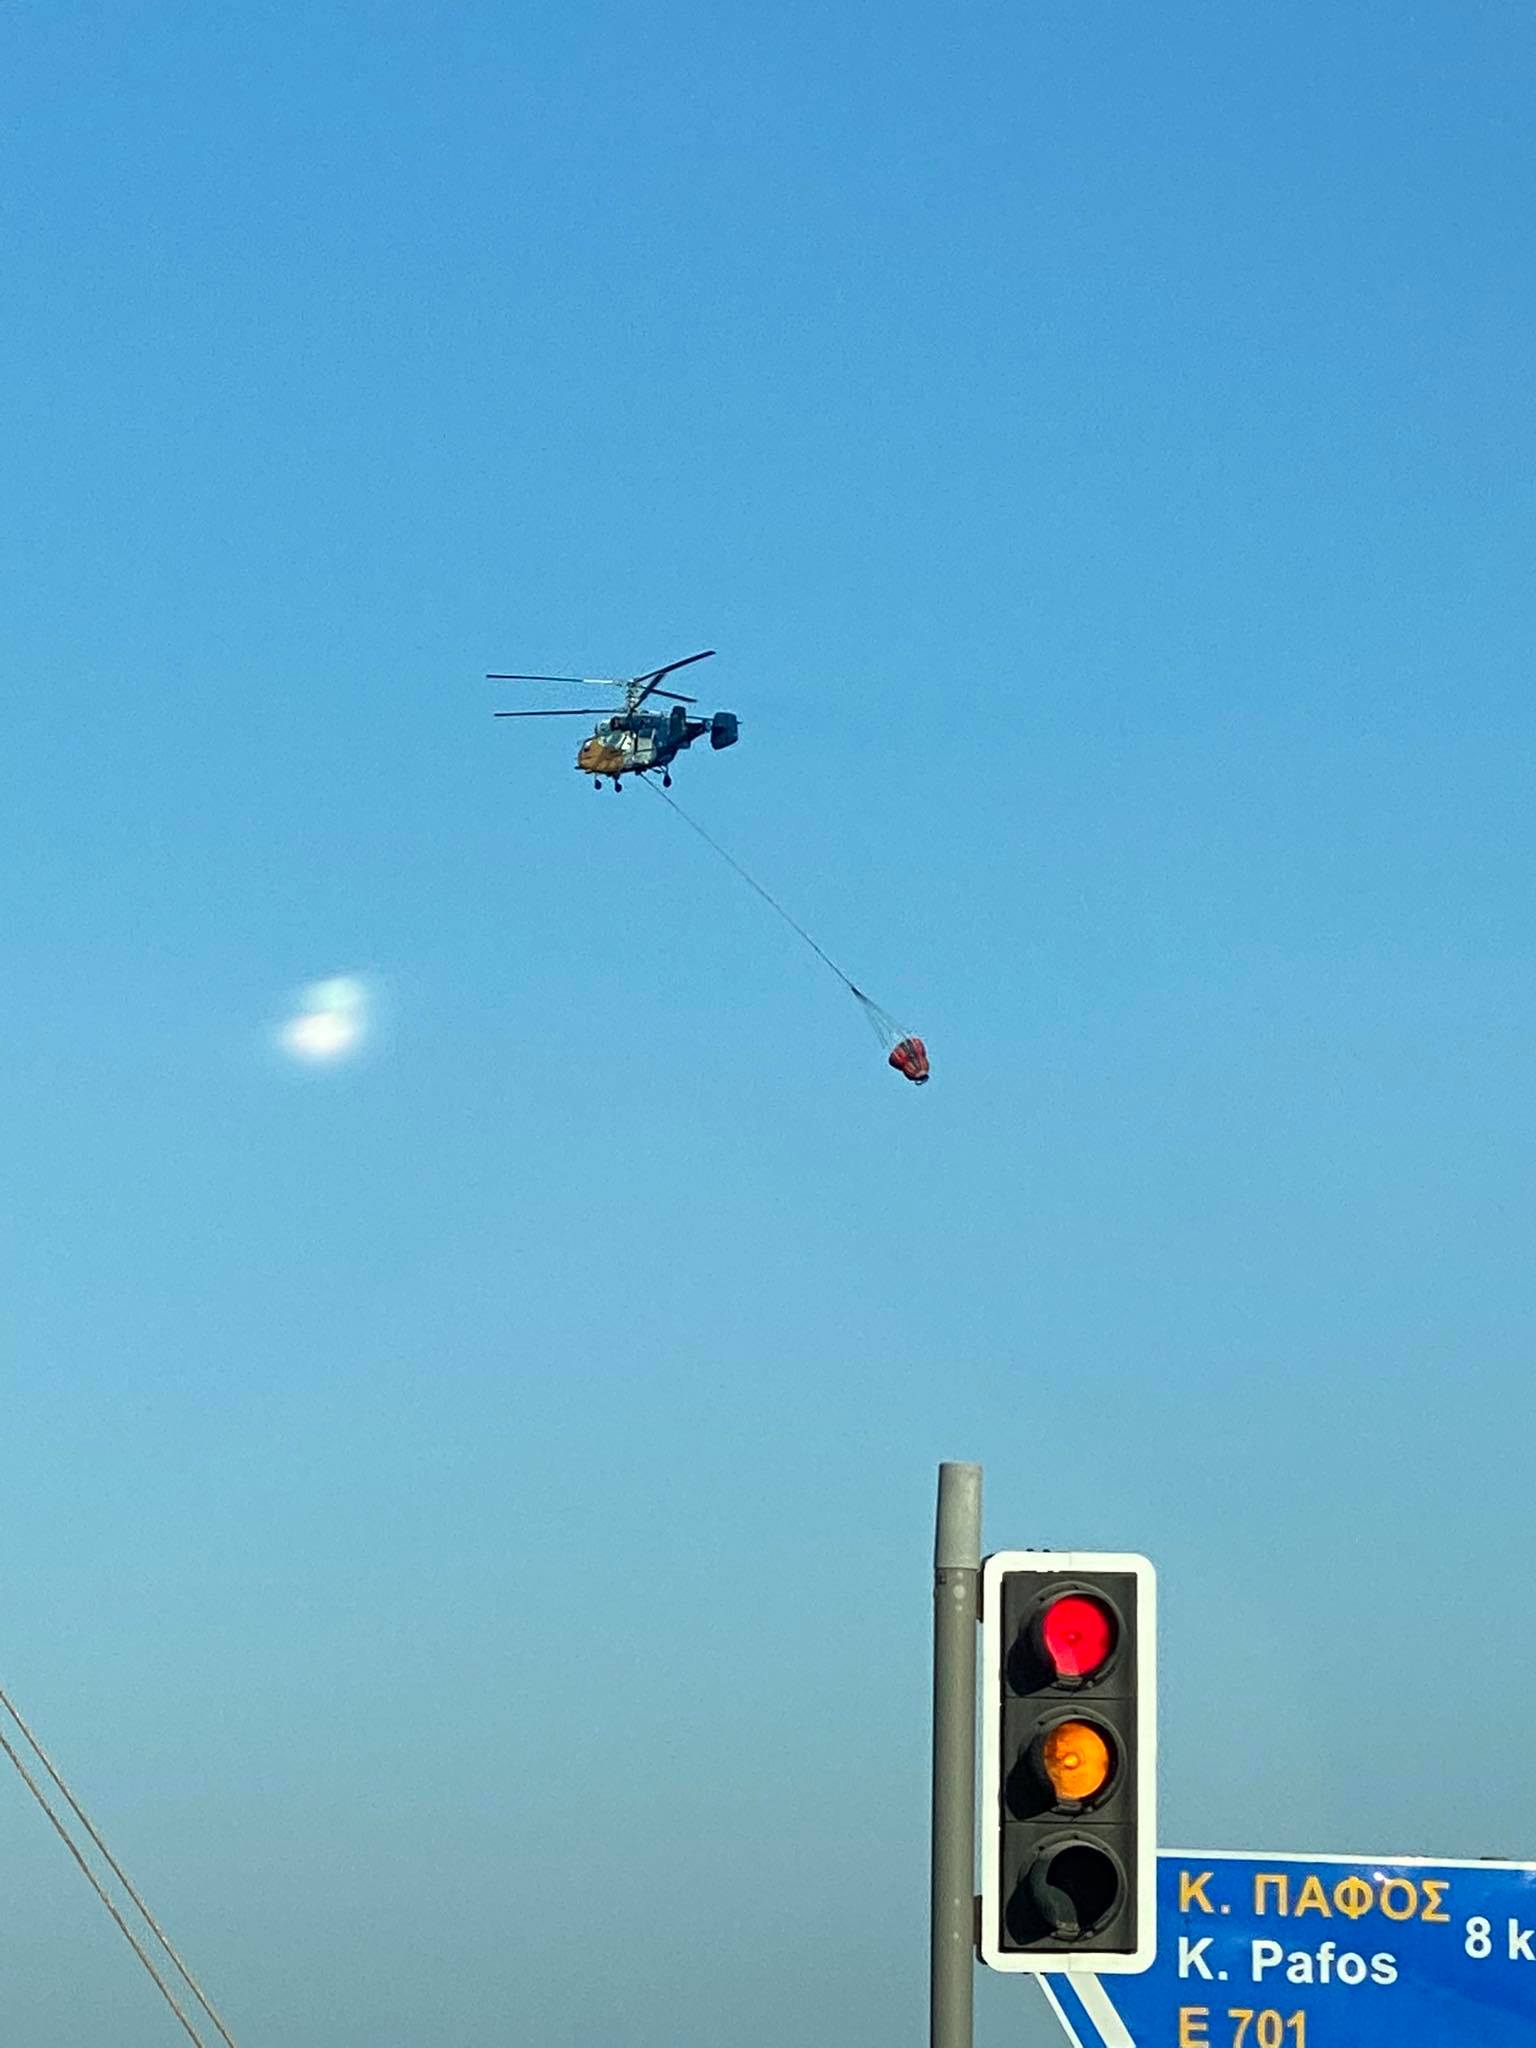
[1144,1877]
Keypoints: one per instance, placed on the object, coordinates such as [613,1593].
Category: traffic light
[1069,1761]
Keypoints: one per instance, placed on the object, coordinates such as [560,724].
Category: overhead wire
[96,1885]
[118,1872]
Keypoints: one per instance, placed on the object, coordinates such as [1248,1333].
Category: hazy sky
[468,1504]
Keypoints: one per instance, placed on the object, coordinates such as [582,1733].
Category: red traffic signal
[1077,1634]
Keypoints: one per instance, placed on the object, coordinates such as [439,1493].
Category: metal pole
[956,1568]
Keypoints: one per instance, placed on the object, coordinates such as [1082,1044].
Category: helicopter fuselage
[634,742]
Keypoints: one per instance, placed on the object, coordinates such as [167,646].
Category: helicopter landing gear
[618,787]
[666,782]
[597,782]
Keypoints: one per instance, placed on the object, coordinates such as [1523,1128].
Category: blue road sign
[1322,1952]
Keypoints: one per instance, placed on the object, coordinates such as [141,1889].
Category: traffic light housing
[1069,1761]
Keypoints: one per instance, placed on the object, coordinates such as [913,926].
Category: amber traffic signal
[1069,1738]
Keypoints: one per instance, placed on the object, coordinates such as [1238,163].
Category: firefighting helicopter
[632,741]
[636,742]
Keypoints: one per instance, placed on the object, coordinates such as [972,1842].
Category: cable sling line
[885,1027]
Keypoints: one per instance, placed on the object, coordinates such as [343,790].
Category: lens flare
[331,1022]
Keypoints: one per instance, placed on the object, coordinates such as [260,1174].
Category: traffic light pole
[956,1568]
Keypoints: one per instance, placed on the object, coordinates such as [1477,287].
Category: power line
[118,1872]
[96,1886]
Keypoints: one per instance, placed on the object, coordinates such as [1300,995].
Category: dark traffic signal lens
[1069,1892]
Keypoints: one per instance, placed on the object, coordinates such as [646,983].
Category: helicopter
[632,741]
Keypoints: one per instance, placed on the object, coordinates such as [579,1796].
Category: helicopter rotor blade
[591,682]
[592,711]
[653,676]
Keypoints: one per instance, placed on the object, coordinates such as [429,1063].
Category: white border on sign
[1301,1856]
[1053,2000]
[1145,1876]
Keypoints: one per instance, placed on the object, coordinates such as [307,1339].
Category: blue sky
[469,1508]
